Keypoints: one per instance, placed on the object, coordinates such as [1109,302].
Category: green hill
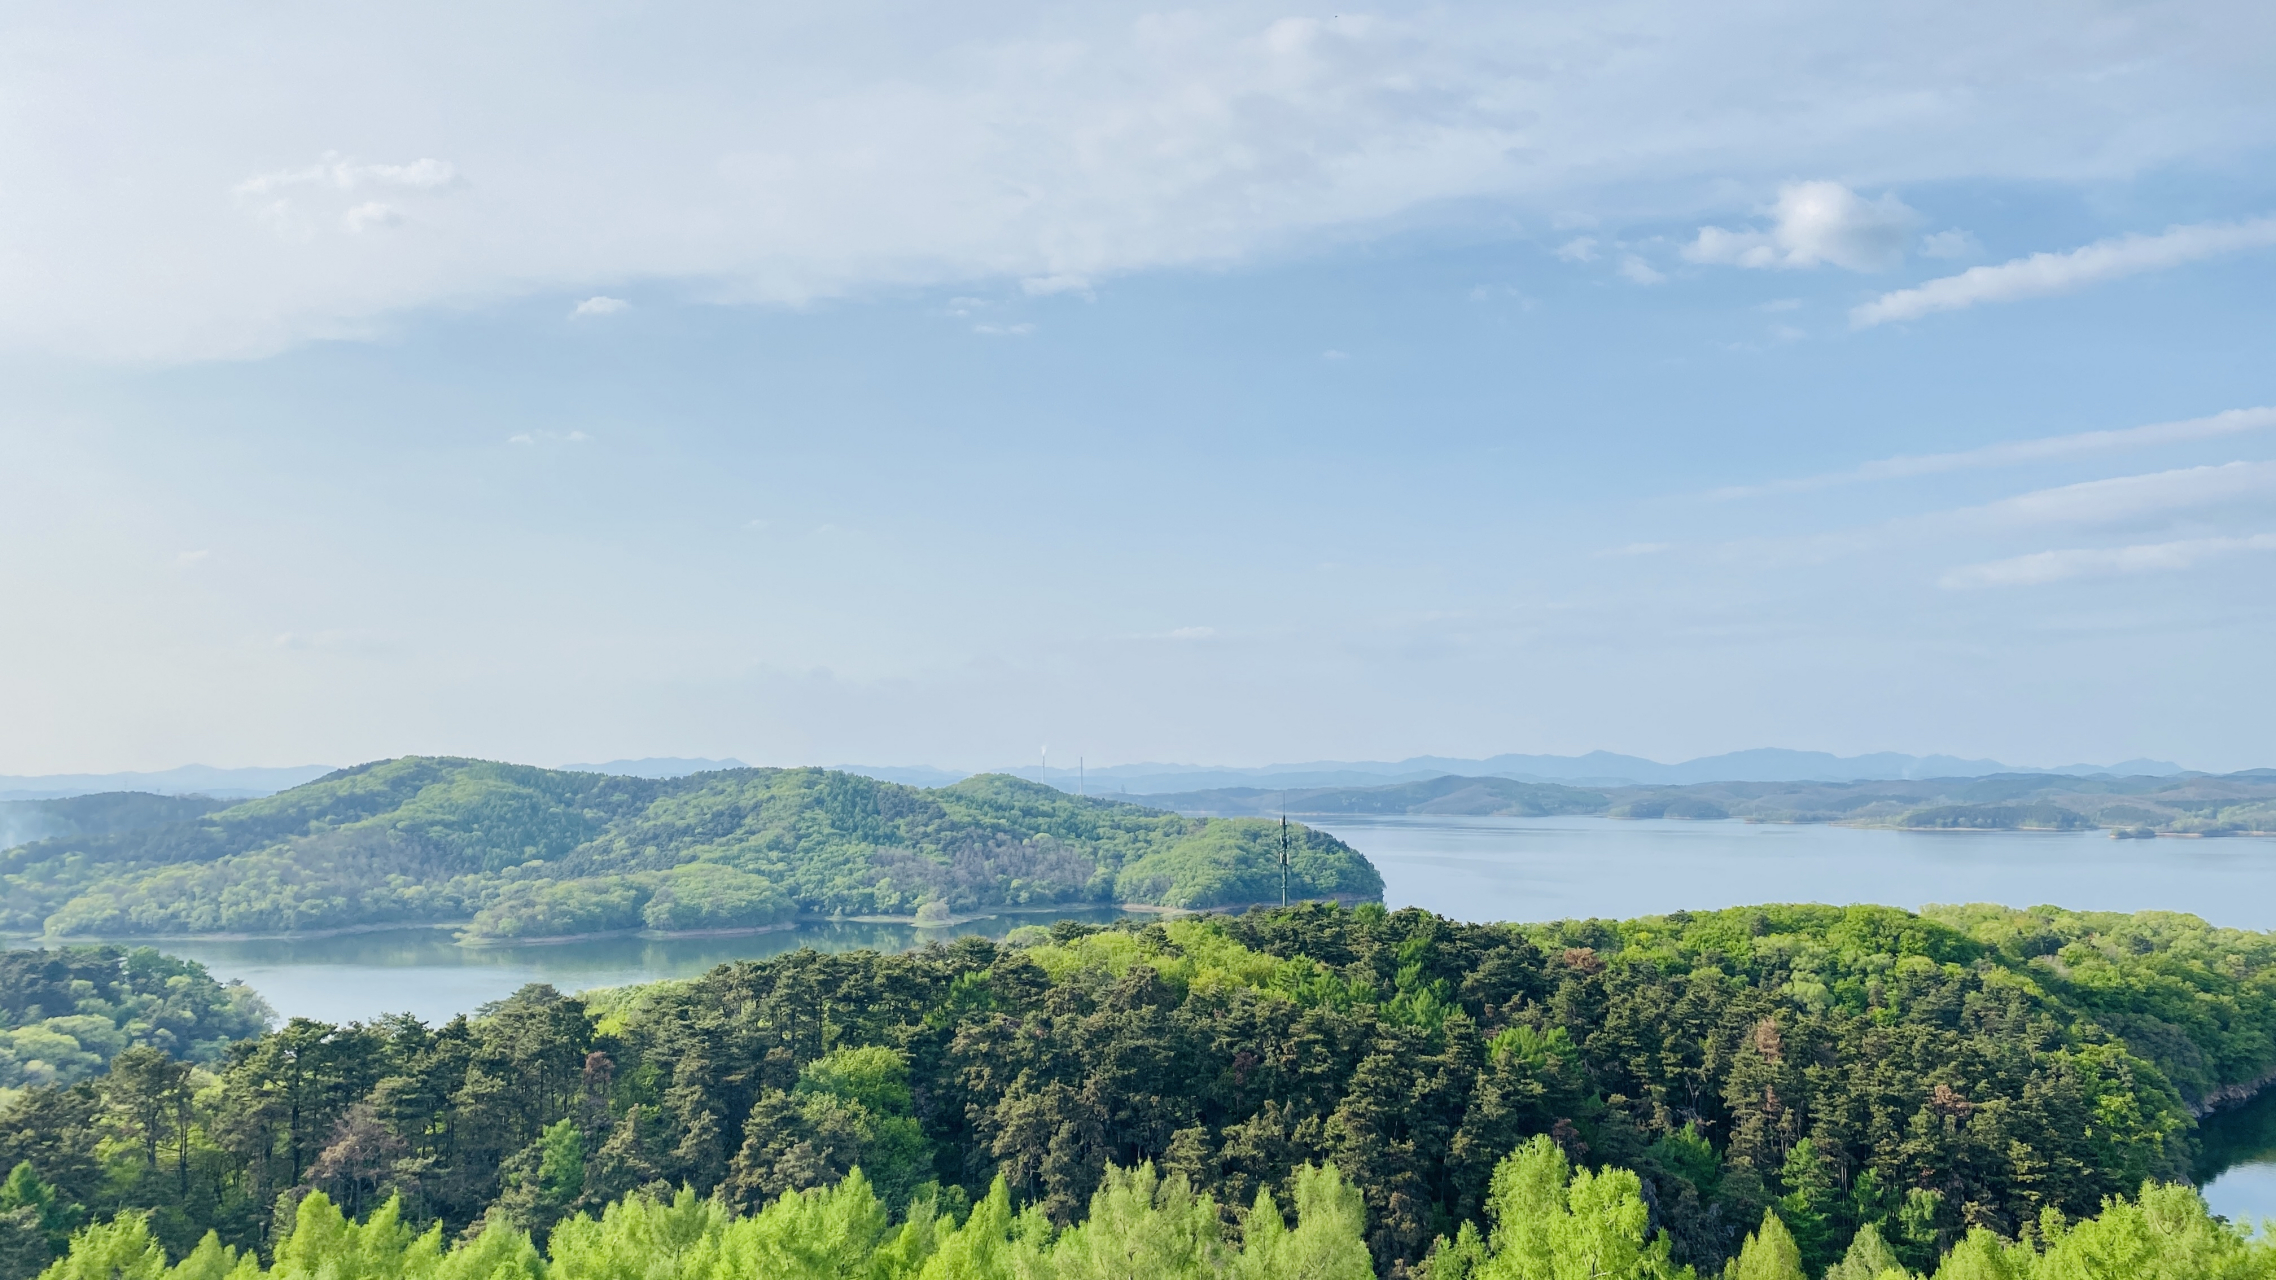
[530,852]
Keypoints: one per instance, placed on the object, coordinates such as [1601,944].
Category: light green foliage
[326,1245]
[121,1249]
[538,853]
[638,1238]
[1141,1225]
[1549,1222]
[993,1244]
[1327,1243]
[1769,1254]
[1553,1222]
[1869,1258]
[64,1014]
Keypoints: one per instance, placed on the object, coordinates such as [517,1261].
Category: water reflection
[2236,1162]
[422,972]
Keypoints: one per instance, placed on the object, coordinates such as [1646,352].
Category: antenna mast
[1284,849]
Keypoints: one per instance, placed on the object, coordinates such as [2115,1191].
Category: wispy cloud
[1814,223]
[2100,562]
[2046,273]
[1045,286]
[2124,497]
[597,306]
[1637,271]
[2226,423]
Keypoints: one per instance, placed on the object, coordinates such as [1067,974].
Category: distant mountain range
[2140,806]
[1596,769]
[661,767]
[190,779]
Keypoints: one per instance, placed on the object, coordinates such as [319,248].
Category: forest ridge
[527,852]
[1846,1084]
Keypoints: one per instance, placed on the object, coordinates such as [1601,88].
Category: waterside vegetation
[524,852]
[1964,1083]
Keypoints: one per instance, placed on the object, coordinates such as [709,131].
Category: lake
[1466,868]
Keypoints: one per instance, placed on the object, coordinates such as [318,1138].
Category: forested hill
[1931,1074]
[528,852]
[2191,804]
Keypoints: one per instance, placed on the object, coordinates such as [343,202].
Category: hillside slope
[539,852]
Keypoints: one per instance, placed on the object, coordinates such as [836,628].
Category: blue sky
[1221,386]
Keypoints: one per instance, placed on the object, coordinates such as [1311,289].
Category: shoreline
[659,935]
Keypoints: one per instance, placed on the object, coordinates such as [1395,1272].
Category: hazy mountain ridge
[1594,769]
[2195,804]
[1597,768]
[542,852]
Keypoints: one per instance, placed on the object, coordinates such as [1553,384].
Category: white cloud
[1954,243]
[2055,566]
[547,437]
[598,306]
[191,557]
[2046,273]
[1578,249]
[1638,549]
[1331,355]
[1044,286]
[2226,423]
[1004,330]
[776,155]
[1814,223]
[2126,497]
[1637,271]
[1193,633]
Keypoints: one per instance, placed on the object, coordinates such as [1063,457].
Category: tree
[1769,1254]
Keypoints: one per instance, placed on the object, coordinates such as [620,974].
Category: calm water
[1467,868]
[1560,868]
[359,976]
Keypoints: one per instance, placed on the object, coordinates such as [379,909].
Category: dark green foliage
[537,853]
[1829,1067]
[24,820]
[1997,817]
[65,1013]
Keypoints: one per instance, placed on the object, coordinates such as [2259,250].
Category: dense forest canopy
[23,821]
[65,1014]
[2191,804]
[1942,1078]
[1545,1220]
[528,852]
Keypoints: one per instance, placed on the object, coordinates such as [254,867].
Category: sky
[894,383]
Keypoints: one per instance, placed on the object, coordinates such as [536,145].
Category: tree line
[1853,1073]
[1545,1221]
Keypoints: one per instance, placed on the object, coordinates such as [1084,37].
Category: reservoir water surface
[1466,868]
